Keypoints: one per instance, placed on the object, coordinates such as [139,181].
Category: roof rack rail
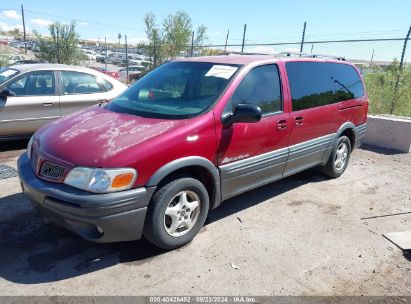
[246,53]
[310,55]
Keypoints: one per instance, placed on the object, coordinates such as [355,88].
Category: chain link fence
[388,86]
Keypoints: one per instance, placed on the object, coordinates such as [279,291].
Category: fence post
[192,44]
[397,82]
[242,46]
[226,40]
[372,58]
[125,38]
[302,40]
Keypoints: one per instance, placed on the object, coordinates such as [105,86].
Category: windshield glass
[175,90]
[6,74]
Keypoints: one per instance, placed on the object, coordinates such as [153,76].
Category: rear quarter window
[347,82]
[310,83]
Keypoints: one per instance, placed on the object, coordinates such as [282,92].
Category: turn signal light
[122,180]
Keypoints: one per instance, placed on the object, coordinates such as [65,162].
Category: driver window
[32,84]
[260,87]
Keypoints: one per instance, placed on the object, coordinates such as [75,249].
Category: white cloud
[261,49]
[136,40]
[82,23]
[5,27]
[12,14]
[41,22]
[292,50]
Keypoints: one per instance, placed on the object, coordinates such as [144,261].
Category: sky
[267,21]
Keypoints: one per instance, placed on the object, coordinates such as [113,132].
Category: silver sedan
[32,95]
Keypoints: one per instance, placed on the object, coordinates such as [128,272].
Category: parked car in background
[191,134]
[117,60]
[32,95]
[133,73]
[91,55]
[29,61]
[114,74]
[144,63]
[101,58]
[12,58]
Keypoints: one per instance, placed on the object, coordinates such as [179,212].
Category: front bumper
[101,218]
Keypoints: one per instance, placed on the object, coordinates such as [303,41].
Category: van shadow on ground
[35,250]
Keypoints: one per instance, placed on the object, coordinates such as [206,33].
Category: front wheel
[338,161]
[176,213]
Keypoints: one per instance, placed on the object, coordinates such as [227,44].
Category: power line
[84,20]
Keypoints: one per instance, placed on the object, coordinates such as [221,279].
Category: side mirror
[6,93]
[243,113]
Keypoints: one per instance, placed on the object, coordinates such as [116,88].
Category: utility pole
[302,40]
[192,44]
[125,38]
[394,100]
[226,40]
[24,29]
[242,46]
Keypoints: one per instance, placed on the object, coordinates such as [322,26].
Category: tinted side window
[347,82]
[261,87]
[105,85]
[32,84]
[311,84]
[79,83]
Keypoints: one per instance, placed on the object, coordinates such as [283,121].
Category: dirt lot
[304,235]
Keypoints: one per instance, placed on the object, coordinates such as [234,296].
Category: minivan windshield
[175,90]
[6,74]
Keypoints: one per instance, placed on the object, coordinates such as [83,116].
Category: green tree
[155,39]
[381,90]
[61,46]
[173,39]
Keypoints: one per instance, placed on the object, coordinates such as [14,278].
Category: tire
[183,220]
[338,161]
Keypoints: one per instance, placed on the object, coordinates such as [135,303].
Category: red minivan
[189,135]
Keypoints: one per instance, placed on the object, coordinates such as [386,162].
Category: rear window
[6,74]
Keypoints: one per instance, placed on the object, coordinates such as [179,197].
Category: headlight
[101,180]
[29,146]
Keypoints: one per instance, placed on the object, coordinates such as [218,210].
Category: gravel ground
[304,235]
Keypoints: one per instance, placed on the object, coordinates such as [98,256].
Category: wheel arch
[196,166]
[347,129]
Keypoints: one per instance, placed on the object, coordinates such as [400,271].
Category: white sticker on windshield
[7,73]
[222,71]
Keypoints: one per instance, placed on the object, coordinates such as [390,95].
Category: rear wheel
[338,161]
[176,213]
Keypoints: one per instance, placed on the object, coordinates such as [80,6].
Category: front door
[35,103]
[253,154]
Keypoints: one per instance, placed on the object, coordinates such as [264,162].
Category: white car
[11,59]
[91,55]
[32,95]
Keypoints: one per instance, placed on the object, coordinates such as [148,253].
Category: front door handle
[298,120]
[282,124]
[48,104]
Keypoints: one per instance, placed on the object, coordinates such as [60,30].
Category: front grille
[52,171]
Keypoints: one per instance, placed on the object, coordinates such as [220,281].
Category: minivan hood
[95,135]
